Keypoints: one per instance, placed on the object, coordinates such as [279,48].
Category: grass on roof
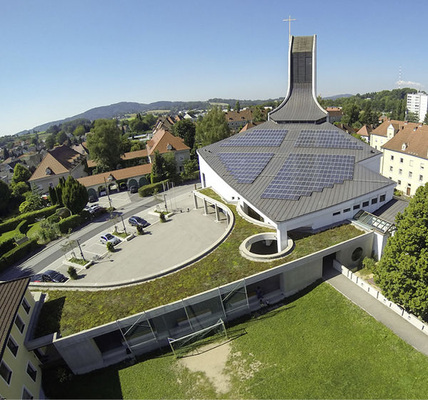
[70,312]
[316,346]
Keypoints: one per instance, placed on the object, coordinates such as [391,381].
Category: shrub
[72,272]
[17,253]
[31,217]
[110,246]
[7,245]
[70,223]
[23,227]
[162,217]
[149,190]
[53,219]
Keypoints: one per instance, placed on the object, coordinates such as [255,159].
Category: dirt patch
[212,362]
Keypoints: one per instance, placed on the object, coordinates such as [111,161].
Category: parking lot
[186,234]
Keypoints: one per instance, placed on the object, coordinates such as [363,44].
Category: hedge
[7,245]
[18,253]
[148,190]
[31,217]
[70,222]
[23,227]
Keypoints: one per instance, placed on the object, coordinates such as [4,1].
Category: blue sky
[60,58]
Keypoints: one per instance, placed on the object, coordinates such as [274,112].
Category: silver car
[108,237]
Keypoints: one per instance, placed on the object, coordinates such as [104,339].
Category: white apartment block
[405,154]
[418,103]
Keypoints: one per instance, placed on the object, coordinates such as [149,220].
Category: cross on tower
[289,24]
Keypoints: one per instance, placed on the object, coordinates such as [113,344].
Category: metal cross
[289,24]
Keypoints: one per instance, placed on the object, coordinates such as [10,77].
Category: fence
[415,321]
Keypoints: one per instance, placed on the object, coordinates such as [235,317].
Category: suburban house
[405,156]
[20,373]
[60,162]
[238,119]
[129,159]
[107,181]
[387,130]
[335,114]
[296,171]
[164,142]
[364,133]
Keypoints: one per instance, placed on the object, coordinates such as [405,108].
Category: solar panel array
[326,139]
[303,174]
[258,138]
[245,167]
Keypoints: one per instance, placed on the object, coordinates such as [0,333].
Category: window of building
[336,213]
[391,168]
[32,372]
[19,323]
[400,171]
[26,394]
[392,157]
[401,160]
[365,204]
[422,166]
[399,182]
[410,174]
[374,201]
[356,207]
[5,372]
[26,306]
[346,210]
[411,163]
[382,198]
[13,347]
[421,178]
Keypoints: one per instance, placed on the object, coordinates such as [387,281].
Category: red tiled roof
[127,156]
[415,141]
[162,140]
[119,174]
[59,160]
[382,129]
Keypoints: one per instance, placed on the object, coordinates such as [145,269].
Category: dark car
[123,186]
[92,198]
[138,221]
[133,189]
[49,276]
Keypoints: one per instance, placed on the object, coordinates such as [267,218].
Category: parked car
[133,189]
[92,198]
[108,237]
[95,209]
[49,276]
[123,186]
[138,221]
[102,193]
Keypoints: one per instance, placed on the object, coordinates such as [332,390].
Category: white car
[108,237]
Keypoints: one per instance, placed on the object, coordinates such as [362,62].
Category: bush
[53,219]
[162,217]
[149,190]
[70,223]
[110,246]
[31,217]
[17,253]
[7,245]
[72,272]
[23,227]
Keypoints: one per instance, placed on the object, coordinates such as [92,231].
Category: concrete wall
[82,354]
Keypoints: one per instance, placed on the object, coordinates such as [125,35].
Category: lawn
[317,345]
[73,311]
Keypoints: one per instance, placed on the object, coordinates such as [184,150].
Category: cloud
[408,84]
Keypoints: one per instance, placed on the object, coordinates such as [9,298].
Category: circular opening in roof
[356,254]
[263,247]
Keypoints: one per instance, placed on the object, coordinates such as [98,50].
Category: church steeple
[300,104]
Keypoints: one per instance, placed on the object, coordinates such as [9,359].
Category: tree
[237,106]
[351,113]
[412,117]
[104,144]
[50,141]
[212,128]
[33,202]
[426,119]
[157,173]
[79,131]
[74,195]
[402,273]
[186,130]
[4,196]
[18,189]
[61,137]
[20,174]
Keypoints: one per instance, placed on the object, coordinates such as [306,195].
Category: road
[126,205]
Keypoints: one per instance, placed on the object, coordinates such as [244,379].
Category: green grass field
[318,345]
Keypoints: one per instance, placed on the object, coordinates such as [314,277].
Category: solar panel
[326,139]
[245,167]
[257,138]
[303,174]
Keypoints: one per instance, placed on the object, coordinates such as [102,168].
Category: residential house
[20,373]
[164,142]
[364,133]
[62,161]
[238,119]
[387,130]
[129,159]
[405,157]
[335,114]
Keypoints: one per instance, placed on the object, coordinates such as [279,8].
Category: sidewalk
[377,310]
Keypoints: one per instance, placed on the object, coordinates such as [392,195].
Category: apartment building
[418,103]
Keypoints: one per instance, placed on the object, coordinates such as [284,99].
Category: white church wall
[372,163]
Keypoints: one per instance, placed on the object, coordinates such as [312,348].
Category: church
[296,171]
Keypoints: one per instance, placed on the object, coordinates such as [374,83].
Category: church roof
[300,104]
[288,170]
